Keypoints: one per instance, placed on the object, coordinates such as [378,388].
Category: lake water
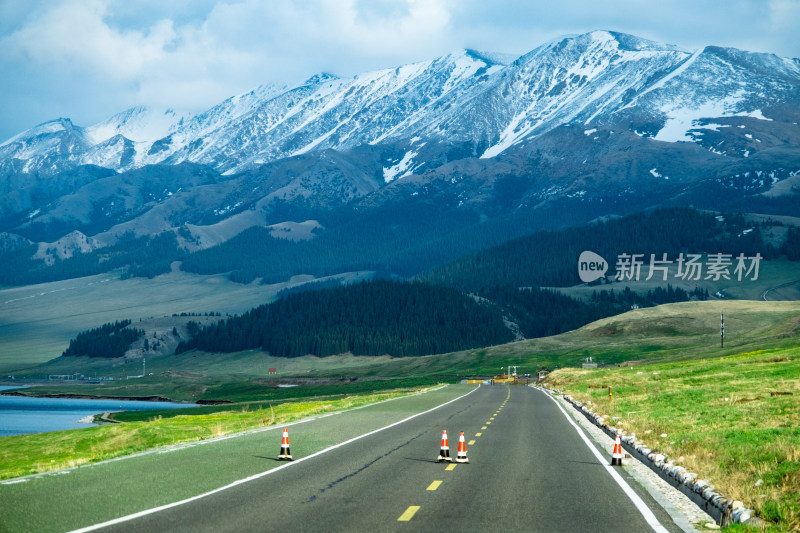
[20,415]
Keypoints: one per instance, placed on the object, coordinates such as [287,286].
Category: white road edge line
[184,445]
[146,512]
[648,515]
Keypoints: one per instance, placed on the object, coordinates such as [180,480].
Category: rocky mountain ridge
[591,125]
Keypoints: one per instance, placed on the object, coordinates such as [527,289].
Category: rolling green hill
[672,332]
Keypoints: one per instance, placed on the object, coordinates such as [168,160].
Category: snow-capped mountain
[603,118]
[480,99]
[138,124]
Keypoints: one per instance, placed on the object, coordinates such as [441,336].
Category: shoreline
[70,396]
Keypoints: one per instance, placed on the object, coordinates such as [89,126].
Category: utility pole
[144,366]
[722,330]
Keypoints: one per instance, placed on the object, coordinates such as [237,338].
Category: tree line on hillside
[369,318]
[545,312]
[109,340]
[791,246]
[385,317]
[550,258]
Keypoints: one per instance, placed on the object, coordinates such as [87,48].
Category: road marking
[409,514]
[185,445]
[487,423]
[648,515]
[478,434]
[146,512]
[491,418]
[451,466]
[471,442]
[434,485]
[484,427]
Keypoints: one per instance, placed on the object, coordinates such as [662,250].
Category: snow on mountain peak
[485,100]
[45,128]
[139,124]
[321,77]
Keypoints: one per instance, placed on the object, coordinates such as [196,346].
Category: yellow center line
[451,466]
[471,442]
[487,423]
[491,418]
[405,517]
[478,434]
[484,427]
[434,485]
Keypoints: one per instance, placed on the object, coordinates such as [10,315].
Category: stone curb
[700,491]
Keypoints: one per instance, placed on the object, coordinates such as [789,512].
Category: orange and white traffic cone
[616,455]
[461,456]
[444,451]
[285,454]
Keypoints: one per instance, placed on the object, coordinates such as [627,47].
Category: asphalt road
[529,470]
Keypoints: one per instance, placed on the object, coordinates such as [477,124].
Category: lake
[20,415]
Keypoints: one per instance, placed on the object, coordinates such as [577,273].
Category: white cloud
[194,60]
[74,34]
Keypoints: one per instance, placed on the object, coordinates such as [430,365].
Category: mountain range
[487,147]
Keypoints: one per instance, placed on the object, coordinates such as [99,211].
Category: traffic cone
[444,452]
[616,455]
[285,454]
[461,456]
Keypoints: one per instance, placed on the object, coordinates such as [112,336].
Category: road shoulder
[686,515]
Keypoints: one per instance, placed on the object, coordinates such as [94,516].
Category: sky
[89,59]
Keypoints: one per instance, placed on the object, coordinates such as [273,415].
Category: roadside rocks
[724,510]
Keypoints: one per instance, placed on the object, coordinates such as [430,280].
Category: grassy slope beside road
[733,420]
[42,452]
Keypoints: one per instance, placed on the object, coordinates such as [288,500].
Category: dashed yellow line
[409,514]
[434,485]
[478,434]
[484,427]
[451,466]
[471,442]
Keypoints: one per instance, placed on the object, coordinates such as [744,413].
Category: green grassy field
[43,452]
[673,332]
[734,420]
[37,321]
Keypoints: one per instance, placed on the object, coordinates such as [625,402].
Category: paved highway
[529,470]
